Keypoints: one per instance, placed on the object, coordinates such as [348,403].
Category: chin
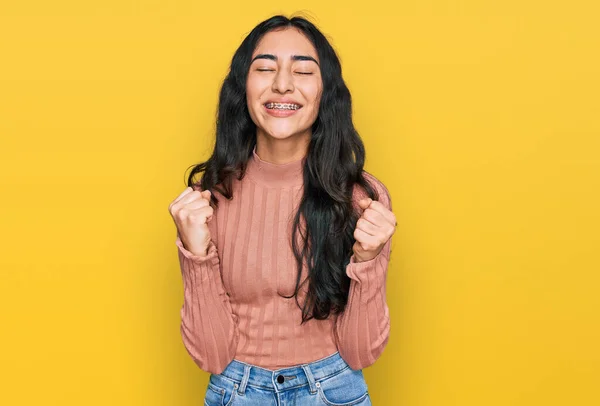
[282,133]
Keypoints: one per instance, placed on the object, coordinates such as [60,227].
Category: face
[284,85]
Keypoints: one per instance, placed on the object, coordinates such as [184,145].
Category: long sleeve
[208,325]
[362,329]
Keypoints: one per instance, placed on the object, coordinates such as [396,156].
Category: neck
[273,175]
[281,151]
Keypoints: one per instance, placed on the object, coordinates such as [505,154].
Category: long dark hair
[333,166]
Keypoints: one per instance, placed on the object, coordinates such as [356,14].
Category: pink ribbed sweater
[231,306]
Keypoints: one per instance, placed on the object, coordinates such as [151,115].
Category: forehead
[285,42]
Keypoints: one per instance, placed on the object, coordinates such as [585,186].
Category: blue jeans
[326,382]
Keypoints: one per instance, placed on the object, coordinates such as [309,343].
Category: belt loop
[311,379]
[242,388]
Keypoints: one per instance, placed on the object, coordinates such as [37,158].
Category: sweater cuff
[366,270]
[211,257]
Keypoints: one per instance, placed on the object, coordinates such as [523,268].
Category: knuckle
[182,213]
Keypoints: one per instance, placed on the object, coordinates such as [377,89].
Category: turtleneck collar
[275,175]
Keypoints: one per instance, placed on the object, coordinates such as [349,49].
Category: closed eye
[265,70]
[304,73]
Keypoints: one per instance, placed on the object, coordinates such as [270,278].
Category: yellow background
[481,117]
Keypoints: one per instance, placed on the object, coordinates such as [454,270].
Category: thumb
[206,194]
[364,203]
[357,248]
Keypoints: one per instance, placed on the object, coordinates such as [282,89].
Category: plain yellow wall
[481,118]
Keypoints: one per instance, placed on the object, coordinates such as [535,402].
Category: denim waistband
[285,378]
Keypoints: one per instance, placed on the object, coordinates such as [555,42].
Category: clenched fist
[191,212]
[374,228]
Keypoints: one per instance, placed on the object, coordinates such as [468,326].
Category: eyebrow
[293,58]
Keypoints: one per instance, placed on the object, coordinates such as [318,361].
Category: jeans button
[280,379]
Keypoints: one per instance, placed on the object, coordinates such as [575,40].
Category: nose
[283,82]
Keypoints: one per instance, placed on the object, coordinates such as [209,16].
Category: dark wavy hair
[333,166]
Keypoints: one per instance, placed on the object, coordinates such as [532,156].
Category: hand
[374,228]
[191,212]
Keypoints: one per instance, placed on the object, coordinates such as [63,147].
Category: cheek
[251,97]
[314,89]
[314,94]
[255,87]
[251,92]
[254,90]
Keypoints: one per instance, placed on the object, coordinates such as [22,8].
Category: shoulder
[382,191]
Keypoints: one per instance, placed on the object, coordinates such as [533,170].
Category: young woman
[285,241]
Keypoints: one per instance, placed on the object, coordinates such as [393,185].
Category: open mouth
[283,106]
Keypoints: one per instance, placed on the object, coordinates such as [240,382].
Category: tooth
[282,106]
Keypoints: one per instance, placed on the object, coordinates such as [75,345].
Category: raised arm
[362,329]
[208,325]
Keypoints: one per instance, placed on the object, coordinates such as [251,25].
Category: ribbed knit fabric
[232,307]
